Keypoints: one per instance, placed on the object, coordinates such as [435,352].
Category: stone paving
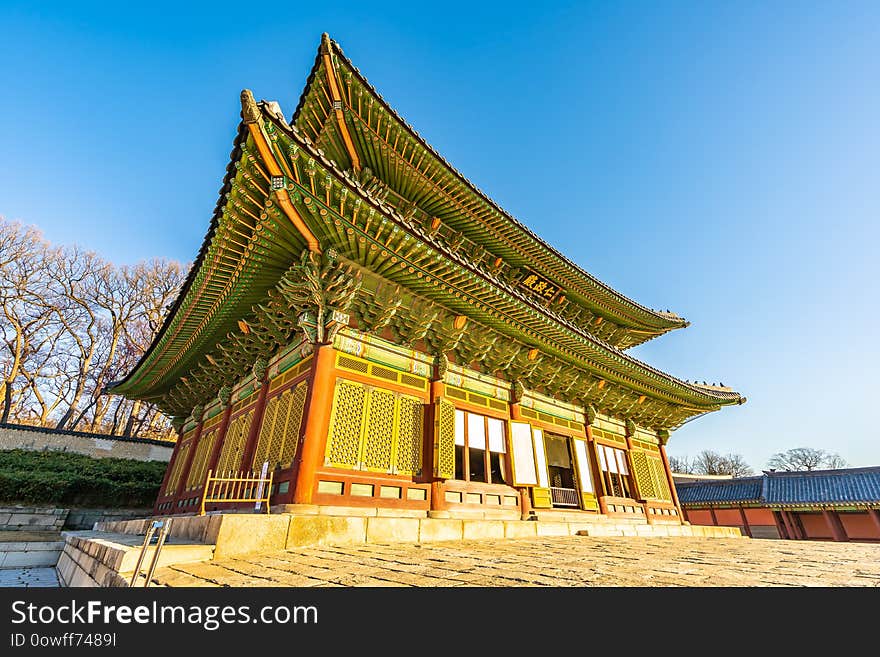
[28,577]
[557,561]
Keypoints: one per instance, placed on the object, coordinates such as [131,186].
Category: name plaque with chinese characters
[539,285]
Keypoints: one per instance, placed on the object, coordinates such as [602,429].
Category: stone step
[96,558]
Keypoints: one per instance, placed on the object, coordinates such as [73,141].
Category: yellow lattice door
[276,411]
[287,445]
[642,473]
[410,434]
[346,425]
[233,444]
[444,439]
[179,462]
[199,467]
[658,474]
[378,444]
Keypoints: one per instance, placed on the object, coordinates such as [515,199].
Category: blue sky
[721,160]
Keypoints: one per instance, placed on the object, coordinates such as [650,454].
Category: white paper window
[583,464]
[610,459]
[459,428]
[540,458]
[600,450]
[496,435]
[523,454]
[621,461]
[476,427]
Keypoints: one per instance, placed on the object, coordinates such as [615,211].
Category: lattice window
[233,443]
[199,467]
[379,432]
[273,424]
[179,462]
[286,449]
[346,423]
[643,472]
[444,439]
[410,432]
[661,483]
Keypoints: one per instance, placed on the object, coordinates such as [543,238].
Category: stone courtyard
[551,561]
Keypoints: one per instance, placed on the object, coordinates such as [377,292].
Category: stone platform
[106,557]
[563,561]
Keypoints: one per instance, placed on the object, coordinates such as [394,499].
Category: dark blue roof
[743,489]
[846,486]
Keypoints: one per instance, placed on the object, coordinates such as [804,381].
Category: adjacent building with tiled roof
[840,504]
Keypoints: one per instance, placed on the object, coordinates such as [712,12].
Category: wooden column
[438,507]
[875,516]
[310,455]
[669,478]
[835,525]
[780,524]
[250,444]
[592,452]
[714,517]
[525,496]
[794,532]
[745,521]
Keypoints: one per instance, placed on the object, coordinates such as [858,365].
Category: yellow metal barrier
[232,487]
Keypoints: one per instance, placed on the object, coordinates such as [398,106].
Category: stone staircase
[104,559]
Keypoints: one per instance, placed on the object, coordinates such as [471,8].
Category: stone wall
[47,519]
[13,436]
[31,518]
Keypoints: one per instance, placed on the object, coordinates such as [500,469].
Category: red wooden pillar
[780,524]
[790,529]
[669,478]
[438,507]
[835,525]
[714,517]
[310,455]
[745,521]
[593,453]
[250,445]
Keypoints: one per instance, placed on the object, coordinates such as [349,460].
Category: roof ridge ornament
[250,113]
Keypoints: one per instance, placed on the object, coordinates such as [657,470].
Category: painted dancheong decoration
[368,323]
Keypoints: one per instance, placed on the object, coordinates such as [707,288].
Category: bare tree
[71,323]
[805,459]
[25,318]
[713,463]
[681,465]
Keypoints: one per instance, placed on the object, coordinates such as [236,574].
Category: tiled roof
[743,489]
[823,486]
[820,487]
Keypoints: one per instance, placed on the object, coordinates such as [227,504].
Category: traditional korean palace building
[365,321]
[842,505]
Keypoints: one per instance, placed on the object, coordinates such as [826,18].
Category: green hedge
[78,480]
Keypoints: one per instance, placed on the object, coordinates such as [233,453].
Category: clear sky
[721,160]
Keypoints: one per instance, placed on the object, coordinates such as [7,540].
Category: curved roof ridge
[720,395]
[675,320]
